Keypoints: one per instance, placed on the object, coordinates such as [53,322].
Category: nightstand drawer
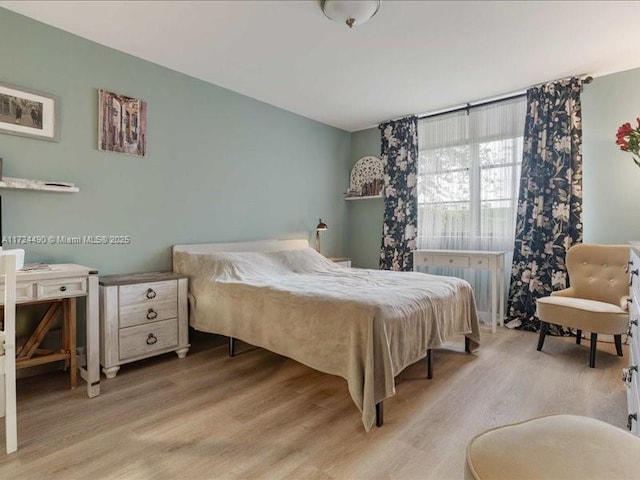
[479,262]
[145,339]
[24,292]
[148,293]
[61,288]
[451,261]
[152,312]
[423,260]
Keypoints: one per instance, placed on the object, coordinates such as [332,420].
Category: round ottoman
[553,448]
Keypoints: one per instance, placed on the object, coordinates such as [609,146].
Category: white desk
[60,282]
[477,259]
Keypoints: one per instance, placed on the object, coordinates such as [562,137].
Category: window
[468,174]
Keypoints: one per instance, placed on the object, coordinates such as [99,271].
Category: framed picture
[28,113]
[122,124]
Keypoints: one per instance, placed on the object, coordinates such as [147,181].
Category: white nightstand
[141,316]
[344,261]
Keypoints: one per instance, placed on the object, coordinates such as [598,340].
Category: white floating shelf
[363,197]
[40,185]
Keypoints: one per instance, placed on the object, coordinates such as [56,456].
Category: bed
[365,326]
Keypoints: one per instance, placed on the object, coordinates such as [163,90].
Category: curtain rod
[469,106]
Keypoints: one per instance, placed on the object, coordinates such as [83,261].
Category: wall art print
[122,124]
[28,113]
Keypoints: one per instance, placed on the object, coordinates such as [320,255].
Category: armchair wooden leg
[578,337]
[618,341]
[592,352]
[232,346]
[543,331]
[429,364]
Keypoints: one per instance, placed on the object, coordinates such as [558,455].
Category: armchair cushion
[583,314]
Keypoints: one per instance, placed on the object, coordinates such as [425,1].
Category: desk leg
[73,363]
[503,297]
[92,373]
[494,302]
[69,337]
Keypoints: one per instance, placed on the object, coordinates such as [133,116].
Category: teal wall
[365,216]
[611,184]
[220,166]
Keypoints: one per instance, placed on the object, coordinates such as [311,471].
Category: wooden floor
[260,415]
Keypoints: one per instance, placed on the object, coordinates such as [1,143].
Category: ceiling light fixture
[351,12]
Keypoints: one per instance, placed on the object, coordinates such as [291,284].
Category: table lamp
[320,228]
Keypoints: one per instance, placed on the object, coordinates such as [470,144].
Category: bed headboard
[258,246]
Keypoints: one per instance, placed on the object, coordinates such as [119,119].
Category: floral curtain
[400,159]
[549,214]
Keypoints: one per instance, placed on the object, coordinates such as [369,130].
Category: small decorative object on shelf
[628,139]
[42,185]
[366,179]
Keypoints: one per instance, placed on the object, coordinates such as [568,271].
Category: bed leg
[467,345]
[232,346]
[379,414]
[429,364]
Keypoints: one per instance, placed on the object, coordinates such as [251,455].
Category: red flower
[628,139]
[624,130]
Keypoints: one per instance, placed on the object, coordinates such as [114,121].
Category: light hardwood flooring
[259,415]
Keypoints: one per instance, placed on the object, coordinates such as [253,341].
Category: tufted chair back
[598,272]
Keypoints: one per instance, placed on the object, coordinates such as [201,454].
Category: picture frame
[29,113]
[122,124]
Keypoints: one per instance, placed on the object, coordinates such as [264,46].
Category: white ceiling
[412,57]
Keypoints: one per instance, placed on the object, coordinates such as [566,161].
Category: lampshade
[351,12]
[321,225]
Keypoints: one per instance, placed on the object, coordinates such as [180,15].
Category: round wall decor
[366,178]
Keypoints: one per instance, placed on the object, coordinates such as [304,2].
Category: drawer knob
[151,293]
[630,419]
[451,260]
[63,288]
[151,339]
[627,373]
[151,314]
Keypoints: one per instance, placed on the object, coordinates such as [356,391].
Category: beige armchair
[597,300]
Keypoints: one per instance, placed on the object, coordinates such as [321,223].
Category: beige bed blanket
[363,325]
